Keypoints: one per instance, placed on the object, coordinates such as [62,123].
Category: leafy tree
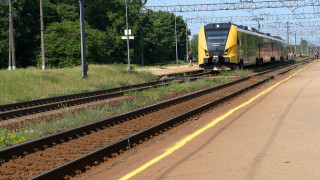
[194,45]
[27,27]
[160,40]
[105,24]
[63,45]
[67,12]
[4,35]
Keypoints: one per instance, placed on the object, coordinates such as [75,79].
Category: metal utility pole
[11,37]
[129,67]
[42,36]
[142,50]
[187,44]
[295,42]
[83,41]
[301,46]
[142,14]
[175,28]
[288,33]
[10,65]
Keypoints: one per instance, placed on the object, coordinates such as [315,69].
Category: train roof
[248,28]
[243,28]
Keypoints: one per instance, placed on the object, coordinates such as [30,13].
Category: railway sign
[125,37]
[127,32]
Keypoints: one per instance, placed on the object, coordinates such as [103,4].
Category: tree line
[105,22]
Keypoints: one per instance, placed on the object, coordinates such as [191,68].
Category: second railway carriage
[226,45]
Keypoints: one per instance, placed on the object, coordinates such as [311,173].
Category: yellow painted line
[179,144]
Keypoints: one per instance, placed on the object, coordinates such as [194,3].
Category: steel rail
[281,67]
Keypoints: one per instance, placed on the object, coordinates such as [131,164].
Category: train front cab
[218,46]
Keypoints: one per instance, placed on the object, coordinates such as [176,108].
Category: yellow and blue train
[226,45]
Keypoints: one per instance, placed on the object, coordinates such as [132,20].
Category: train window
[217,36]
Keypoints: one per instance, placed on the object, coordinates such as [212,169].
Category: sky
[307,29]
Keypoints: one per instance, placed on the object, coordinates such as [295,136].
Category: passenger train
[226,45]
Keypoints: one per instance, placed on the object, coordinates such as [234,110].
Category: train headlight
[226,52]
[206,52]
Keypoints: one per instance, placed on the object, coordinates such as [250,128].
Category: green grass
[31,83]
[142,98]
[237,72]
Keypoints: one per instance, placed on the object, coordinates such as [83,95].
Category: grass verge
[31,83]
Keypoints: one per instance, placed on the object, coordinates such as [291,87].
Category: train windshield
[217,36]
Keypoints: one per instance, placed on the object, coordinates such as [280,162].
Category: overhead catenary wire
[254,8]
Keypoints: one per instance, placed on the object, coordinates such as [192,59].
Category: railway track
[71,151]
[47,104]
[197,73]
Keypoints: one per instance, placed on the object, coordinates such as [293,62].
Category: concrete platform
[172,69]
[276,136]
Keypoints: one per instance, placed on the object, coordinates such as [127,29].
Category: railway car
[226,45]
